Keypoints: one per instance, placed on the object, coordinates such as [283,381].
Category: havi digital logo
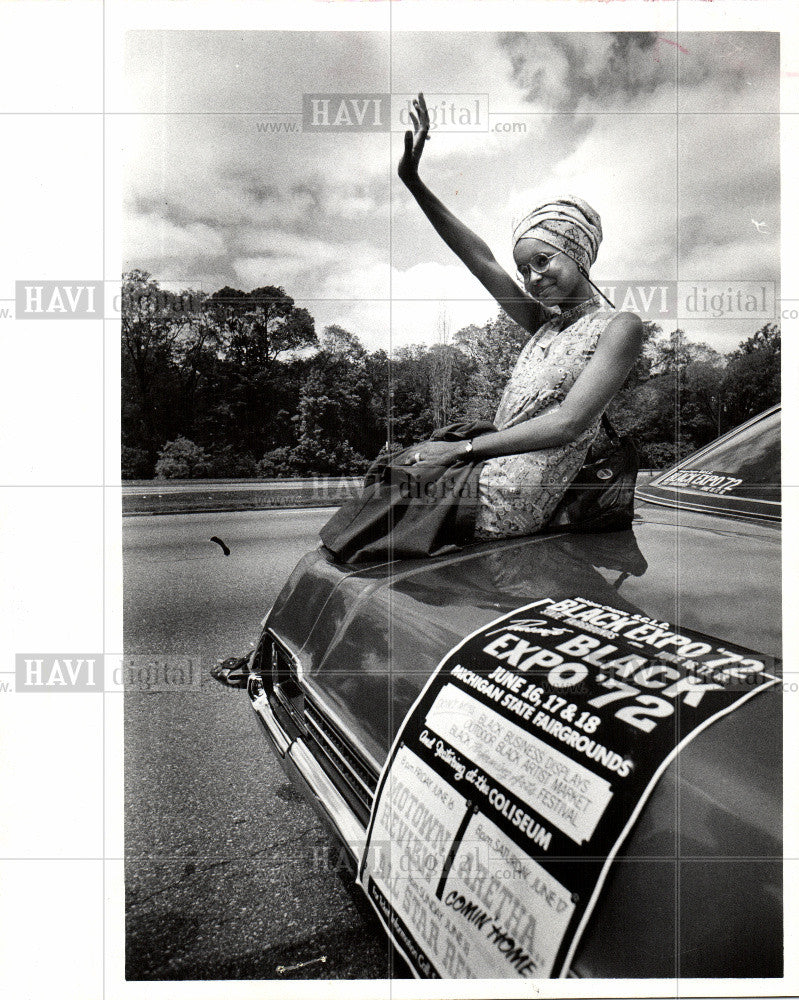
[345,112]
[58,672]
[59,299]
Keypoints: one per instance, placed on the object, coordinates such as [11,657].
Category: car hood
[367,639]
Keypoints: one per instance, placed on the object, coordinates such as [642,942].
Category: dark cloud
[609,71]
[577,72]
[176,212]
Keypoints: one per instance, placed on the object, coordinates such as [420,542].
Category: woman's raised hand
[408,169]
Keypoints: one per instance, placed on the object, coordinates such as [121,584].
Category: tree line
[240,384]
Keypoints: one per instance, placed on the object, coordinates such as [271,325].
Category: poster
[519,771]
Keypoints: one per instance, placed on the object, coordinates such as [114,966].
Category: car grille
[360,780]
[352,776]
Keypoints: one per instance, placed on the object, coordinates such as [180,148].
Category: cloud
[717,238]
[736,71]
[626,168]
[418,296]
[437,282]
[211,200]
[248,72]
[576,72]
[156,238]
[320,269]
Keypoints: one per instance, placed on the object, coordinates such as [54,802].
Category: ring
[417,457]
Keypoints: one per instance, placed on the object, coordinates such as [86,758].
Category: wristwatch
[469,449]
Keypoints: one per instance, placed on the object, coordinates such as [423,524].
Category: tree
[322,421]
[671,354]
[624,410]
[257,329]
[410,413]
[135,463]
[261,325]
[163,334]
[669,402]
[229,385]
[752,377]
[441,358]
[340,343]
[704,404]
[767,340]
[494,349]
[357,383]
[181,459]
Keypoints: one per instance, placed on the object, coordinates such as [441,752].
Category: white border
[52,64]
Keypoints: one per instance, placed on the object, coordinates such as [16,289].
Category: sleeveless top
[517,494]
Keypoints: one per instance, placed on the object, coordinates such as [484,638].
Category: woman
[567,373]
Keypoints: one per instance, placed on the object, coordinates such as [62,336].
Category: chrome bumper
[319,789]
[297,758]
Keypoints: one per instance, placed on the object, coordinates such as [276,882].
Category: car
[692,886]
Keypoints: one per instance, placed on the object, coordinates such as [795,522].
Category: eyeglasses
[537,264]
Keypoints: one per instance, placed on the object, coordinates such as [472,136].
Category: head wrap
[568,224]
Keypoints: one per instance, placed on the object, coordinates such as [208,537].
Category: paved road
[228,873]
[205,496]
[215,495]
[163,486]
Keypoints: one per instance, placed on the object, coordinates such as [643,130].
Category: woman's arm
[603,376]
[472,250]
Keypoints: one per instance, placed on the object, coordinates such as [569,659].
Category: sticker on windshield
[519,771]
[700,480]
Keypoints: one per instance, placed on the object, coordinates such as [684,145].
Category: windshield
[738,474]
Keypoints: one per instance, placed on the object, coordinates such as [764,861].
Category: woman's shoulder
[627,319]
[624,326]
[617,323]
[622,336]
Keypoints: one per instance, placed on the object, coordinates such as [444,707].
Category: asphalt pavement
[229,875]
[184,496]
[201,496]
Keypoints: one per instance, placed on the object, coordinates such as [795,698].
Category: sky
[673,139]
